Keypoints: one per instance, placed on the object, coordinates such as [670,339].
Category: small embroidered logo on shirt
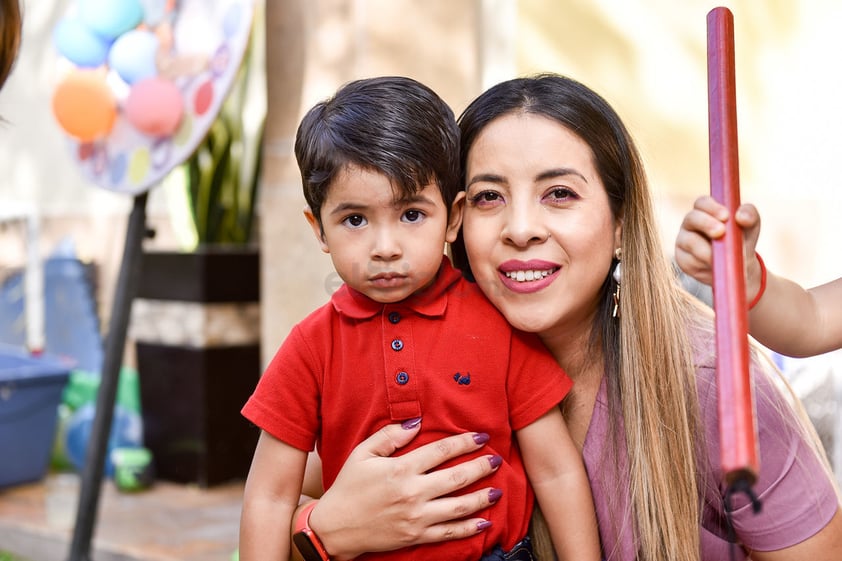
[462,380]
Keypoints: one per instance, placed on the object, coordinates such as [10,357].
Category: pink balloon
[155,106]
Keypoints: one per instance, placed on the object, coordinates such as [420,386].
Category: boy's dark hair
[392,125]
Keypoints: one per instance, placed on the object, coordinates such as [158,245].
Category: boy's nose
[386,246]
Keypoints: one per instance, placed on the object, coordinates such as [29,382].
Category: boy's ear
[317,229]
[455,221]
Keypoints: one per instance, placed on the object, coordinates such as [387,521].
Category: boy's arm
[557,474]
[787,318]
[270,497]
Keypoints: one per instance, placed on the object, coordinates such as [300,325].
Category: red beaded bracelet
[762,289]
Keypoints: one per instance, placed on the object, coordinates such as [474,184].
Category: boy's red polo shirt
[446,355]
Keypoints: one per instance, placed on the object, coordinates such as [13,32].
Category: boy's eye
[354,221]
[413,215]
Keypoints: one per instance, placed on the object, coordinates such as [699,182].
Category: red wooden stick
[738,433]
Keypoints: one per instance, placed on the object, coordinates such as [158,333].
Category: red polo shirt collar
[431,302]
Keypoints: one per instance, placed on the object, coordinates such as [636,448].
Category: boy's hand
[706,222]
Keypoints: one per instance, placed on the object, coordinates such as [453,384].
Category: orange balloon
[84,105]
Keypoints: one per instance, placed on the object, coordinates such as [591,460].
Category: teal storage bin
[30,392]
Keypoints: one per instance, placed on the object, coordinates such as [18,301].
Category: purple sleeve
[797,495]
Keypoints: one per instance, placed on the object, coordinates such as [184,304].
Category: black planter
[193,385]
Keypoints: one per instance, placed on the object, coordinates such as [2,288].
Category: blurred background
[646,57]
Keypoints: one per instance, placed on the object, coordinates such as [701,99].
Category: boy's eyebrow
[346,206]
[414,199]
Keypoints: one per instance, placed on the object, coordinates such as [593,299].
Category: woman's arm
[379,503]
[557,474]
[826,545]
[271,494]
[788,318]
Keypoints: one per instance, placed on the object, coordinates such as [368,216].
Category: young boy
[406,338]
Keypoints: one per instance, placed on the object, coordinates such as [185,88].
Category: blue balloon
[79,44]
[154,12]
[132,55]
[111,18]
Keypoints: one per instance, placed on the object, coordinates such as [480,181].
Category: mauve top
[797,498]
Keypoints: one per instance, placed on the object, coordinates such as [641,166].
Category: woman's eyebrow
[559,172]
[486,178]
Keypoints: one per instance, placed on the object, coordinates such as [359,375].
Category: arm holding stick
[786,318]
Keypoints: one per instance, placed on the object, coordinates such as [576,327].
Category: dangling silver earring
[618,278]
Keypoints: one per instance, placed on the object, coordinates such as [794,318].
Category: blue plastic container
[30,392]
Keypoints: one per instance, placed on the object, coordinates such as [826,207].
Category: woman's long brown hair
[10,23]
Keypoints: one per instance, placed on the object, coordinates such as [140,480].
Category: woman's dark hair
[392,125]
[10,27]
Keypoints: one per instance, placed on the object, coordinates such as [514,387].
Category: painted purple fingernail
[494,495]
[483,525]
[481,437]
[411,423]
[495,461]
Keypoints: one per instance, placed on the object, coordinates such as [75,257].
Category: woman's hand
[378,503]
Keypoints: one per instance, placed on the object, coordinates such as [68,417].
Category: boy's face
[384,248]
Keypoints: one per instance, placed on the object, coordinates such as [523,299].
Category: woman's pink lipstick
[527,276]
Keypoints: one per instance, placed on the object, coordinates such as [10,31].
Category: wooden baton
[737,422]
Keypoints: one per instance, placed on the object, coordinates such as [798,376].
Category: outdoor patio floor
[168,522]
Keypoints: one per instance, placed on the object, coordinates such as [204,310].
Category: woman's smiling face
[538,228]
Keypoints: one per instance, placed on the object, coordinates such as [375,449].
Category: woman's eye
[561,194]
[413,216]
[485,198]
[354,221]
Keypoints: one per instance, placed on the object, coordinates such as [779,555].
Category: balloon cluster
[116,46]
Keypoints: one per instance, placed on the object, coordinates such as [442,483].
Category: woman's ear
[455,221]
[618,233]
[317,229]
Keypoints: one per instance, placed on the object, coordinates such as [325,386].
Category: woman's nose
[524,225]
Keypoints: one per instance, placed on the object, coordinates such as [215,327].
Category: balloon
[133,55]
[79,44]
[154,11]
[111,18]
[155,106]
[84,105]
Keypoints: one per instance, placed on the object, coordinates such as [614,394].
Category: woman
[559,219]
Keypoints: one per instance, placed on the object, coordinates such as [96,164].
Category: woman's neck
[577,353]
[582,360]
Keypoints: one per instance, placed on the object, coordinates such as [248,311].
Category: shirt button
[397,344]
[394,317]
[402,378]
